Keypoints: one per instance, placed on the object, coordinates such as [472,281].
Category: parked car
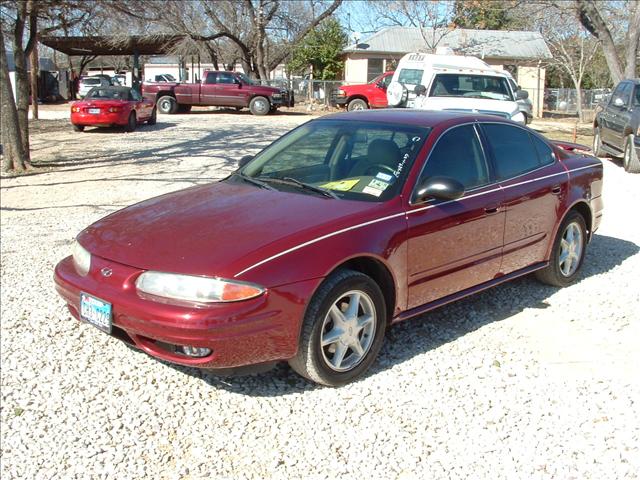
[616,128]
[453,82]
[87,83]
[222,89]
[364,96]
[524,102]
[345,225]
[110,106]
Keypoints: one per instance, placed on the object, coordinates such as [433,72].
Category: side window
[211,78]
[512,148]
[135,95]
[224,77]
[458,154]
[619,92]
[387,80]
[544,151]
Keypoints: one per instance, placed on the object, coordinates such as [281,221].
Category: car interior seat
[379,152]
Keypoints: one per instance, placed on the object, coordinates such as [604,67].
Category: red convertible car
[341,227]
[110,106]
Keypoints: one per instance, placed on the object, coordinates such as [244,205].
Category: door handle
[491,209]
[556,189]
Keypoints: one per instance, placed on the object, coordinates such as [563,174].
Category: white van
[453,82]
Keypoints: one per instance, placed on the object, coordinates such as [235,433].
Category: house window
[374,68]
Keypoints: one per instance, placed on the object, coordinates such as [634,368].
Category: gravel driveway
[521,381]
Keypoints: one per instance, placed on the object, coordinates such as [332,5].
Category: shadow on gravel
[436,328]
[140,128]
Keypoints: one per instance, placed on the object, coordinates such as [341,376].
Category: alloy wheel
[348,331]
[571,247]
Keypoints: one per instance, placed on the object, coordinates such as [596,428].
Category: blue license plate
[96,312]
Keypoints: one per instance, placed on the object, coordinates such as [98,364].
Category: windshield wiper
[254,181]
[306,186]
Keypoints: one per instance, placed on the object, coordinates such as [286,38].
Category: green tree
[482,14]
[322,49]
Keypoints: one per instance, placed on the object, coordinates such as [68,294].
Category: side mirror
[442,188]
[420,90]
[244,160]
[618,102]
[522,95]
[381,85]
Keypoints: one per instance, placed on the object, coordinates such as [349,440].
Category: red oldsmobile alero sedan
[339,228]
[110,106]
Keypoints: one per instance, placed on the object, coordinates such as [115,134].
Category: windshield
[359,161]
[245,79]
[108,93]
[472,86]
[410,76]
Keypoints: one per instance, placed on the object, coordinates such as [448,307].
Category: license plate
[96,312]
[95,111]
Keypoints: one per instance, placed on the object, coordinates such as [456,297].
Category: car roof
[410,116]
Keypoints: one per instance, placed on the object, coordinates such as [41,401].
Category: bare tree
[591,17]
[12,153]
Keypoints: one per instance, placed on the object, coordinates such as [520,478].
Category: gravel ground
[522,381]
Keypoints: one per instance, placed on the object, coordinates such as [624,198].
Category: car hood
[479,105]
[215,229]
[266,90]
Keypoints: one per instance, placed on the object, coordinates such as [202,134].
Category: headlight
[518,117]
[191,288]
[81,259]
[342,93]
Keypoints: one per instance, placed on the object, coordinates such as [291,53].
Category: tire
[357,104]
[184,108]
[597,143]
[238,109]
[153,117]
[630,161]
[167,105]
[78,128]
[560,274]
[319,363]
[259,106]
[132,122]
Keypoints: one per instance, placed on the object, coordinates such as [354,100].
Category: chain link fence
[565,100]
[307,91]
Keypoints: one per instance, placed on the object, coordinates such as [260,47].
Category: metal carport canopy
[101,45]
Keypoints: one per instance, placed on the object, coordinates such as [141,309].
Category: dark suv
[616,128]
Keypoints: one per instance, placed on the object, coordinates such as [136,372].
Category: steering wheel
[373,169]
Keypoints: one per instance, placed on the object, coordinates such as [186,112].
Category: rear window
[410,76]
[91,81]
[471,86]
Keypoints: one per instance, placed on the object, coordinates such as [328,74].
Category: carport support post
[135,78]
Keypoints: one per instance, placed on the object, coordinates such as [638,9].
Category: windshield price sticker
[378,184]
[384,176]
[372,191]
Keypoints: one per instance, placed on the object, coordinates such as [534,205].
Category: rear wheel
[259,106]
[131,122]
[630,161]
[153,117]
[357,104]
[567,254]
[167,105]
[78,128]
[342,331]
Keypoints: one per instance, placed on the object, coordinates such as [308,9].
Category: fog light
[195,351]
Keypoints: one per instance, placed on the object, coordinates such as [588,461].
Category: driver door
[455,244]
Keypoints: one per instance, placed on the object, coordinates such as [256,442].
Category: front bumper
[99,120]
[339,101]
[283,100]
[260,330]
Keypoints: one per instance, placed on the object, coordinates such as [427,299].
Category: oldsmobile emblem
[106,272]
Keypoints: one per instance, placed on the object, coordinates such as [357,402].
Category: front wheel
[357,104]
[153,117]
[567,254]
[259,106]
[630,161]
[342,331]
[132,122]
[597,143]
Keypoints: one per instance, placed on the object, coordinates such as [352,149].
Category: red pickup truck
[220,89]
[368,95]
